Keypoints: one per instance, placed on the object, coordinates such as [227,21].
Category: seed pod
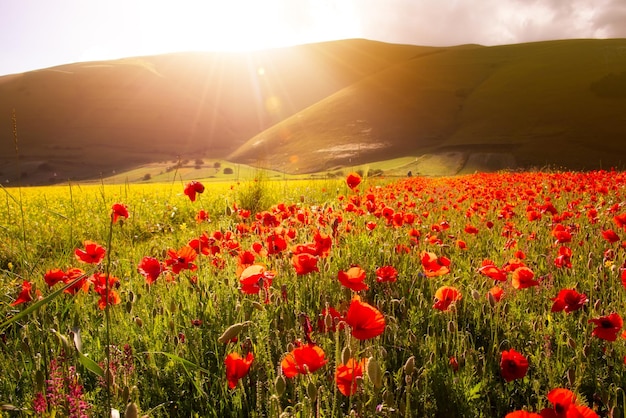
[230,333]
[280,384]
[132,411]
[346,353]
[374,372]
[409,366]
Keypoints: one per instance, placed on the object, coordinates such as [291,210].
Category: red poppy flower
[522,414]
[304,263]
[365,320]
[74,274]
[323,244]
[302,360]
[565,406]
[353,278]
[118,210]
[353,180]
[513,365]
[92,254]
[150,268]
[254,278]
[181,259]
[620,220]
[493,272]
[564,259]
[607,327]
[25,294]
[237,367]
[610,236]
[276,243]
[202,216]
[561,234]
[470,229]
[445,296]
[496,293]
[568,300]
[348,375]
[192,188]
[54,276]
[386,274]
[523,278]
[433,265]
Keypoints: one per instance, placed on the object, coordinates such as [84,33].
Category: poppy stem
[107,319]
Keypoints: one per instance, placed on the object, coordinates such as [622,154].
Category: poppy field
[484,295]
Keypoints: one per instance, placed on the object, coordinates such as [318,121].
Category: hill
[558,103]
[321,107]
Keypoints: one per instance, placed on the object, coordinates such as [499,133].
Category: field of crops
[486,295]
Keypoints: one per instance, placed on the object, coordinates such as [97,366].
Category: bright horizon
[37,34]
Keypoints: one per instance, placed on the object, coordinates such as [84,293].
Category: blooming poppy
[445,296]
[433,265]
[254,278]
[92,254]
[523,277]
[192,188]
[513,365]
[118,211]
[564,259]
[323,244]
[607,327]
[495,293]
[365,320]
[347,376]
[54,276]
[202,216]
[610,235]
[181,259]
[522,414]
[304,263]
[276,243]
[302,360]
[490,270]
[565,405]
[386,274]
[353,180]
[150,268]
[237,367]
[568,300]
[353,278]
[25,294]
[74,275]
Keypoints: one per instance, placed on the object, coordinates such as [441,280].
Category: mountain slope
[557,103]
[84,119]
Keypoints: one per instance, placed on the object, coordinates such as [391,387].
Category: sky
[37,34]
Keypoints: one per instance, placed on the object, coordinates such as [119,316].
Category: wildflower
[365,320]
[565,406]
[323,243]
[386,274]
[495,293]
[523,277]
[254,278]
[74,274]
[237,367]
[181,259]
[99,281]
[353,180]
[202,216]
[192,188]
[568,300]
[564,259]
[92,254]
[54,276]
[433,265]
[347,376]
[454,364]
[302,360]
[25,294]
[490,270]
[513,365]
[150,268]
[522,414]
[445,296]
[610,235]
[353,278]
[118,210]
[607,327]
[304,263]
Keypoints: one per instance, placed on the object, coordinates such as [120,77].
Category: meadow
[483,295]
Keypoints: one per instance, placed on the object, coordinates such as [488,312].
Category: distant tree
[146,177]
[217,165]
[199,162]
[228,170]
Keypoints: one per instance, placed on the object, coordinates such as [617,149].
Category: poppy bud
[311,391]
[171,325]
[230,333]
[571,343]
[109,377]
[492,299]
[139,322]
[571,376]
[475,294]
[409,366]
[258,306]
[131,411]
[129,307]
[374,372]
[346,353]
[126,394]
[451,327]
[280,385]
